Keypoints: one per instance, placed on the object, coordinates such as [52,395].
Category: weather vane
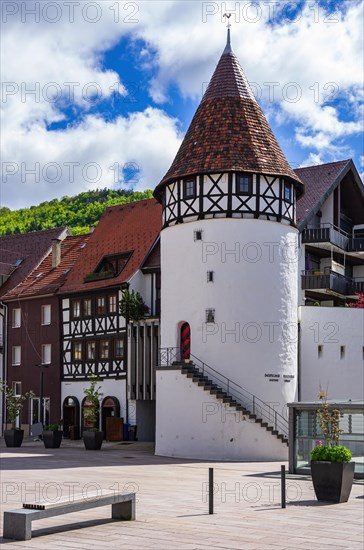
[228,15]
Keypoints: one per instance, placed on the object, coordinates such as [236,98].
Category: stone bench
[18,523]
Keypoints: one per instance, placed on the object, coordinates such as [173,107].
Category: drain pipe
[3,374]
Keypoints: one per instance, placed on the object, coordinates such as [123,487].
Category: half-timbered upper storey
[229,163]
[122,252]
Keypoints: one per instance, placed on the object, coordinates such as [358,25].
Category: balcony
[331,235]
[326,233]
[313,280]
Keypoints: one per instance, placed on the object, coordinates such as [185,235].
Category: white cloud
[183,47]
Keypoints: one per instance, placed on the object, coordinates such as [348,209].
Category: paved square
[172,505]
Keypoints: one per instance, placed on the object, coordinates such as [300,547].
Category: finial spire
[228,43]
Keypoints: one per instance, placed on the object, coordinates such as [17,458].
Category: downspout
[5,363]
[126,360]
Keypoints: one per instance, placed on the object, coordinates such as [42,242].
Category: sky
[100,94]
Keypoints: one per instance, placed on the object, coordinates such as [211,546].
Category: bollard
[283,486]
[211,490]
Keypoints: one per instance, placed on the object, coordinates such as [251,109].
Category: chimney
[56,252]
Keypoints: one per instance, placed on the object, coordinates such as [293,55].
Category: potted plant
[14,406]
[92,436]
[331,469]
[52,436]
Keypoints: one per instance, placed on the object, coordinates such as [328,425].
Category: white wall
[331,328]
[205,428]
[327,210]
[254,294]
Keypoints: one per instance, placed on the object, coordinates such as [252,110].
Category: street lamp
[41,416]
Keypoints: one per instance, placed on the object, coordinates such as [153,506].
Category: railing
[326,233]
[313,280]
[263,411]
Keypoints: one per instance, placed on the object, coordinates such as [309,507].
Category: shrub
[332,454]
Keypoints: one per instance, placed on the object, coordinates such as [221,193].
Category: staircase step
[227,399]
[253,416]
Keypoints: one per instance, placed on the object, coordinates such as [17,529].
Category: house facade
[122,254]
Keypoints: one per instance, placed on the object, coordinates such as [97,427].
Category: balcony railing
[313,280]
[328,233]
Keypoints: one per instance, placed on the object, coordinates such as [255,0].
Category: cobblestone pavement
[172,507]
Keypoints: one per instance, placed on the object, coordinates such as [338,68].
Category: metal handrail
[251,402]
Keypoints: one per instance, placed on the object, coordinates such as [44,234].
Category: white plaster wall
[331,328]
[205,428]
[254,294]
[110,387]
[141,283]
[327,210]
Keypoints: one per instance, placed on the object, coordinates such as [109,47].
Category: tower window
[244,184]
[342,352]
[320,351]
[210,276]
[287,192]
[189,188]
[197,235]
[210,315]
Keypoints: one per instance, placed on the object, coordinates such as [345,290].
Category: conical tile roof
[229,131]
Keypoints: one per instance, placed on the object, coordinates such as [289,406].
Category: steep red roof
[45,279]
[229,131]
[131,227]
[21,253]
[317,180]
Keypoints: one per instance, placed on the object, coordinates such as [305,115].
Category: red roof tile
[128,227]
[45,279]
[31,248]
[229,131]
[317,181]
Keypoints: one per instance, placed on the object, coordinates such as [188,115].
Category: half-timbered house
[122,253]
[34,331]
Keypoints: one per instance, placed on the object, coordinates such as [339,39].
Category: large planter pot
[13,438]
[52,439]
[93,440]
[332,481]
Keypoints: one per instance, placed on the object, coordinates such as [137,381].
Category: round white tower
[229,246]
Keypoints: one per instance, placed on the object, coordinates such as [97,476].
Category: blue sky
[101,96]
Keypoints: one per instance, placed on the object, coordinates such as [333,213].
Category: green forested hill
[78,212]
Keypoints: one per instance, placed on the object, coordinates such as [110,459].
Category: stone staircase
[267,419]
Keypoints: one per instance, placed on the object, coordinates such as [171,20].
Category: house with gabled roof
[33,333]
[20,254]
[122,253]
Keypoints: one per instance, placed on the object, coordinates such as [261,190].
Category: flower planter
[332,481]
[52,438]
[13,438]
[93,440]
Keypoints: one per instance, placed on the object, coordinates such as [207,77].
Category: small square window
[342,352]
[16,388]
[320,351]
[244,184]
[101,305]
[287,192]
[197,235]
[210,315]
[189,188]
[210,276]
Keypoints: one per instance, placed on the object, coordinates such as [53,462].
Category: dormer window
[189,188]
[109,267]
[244,184]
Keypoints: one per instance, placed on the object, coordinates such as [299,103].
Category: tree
[132,306]
[92,402]
[13,403]
[360,303]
